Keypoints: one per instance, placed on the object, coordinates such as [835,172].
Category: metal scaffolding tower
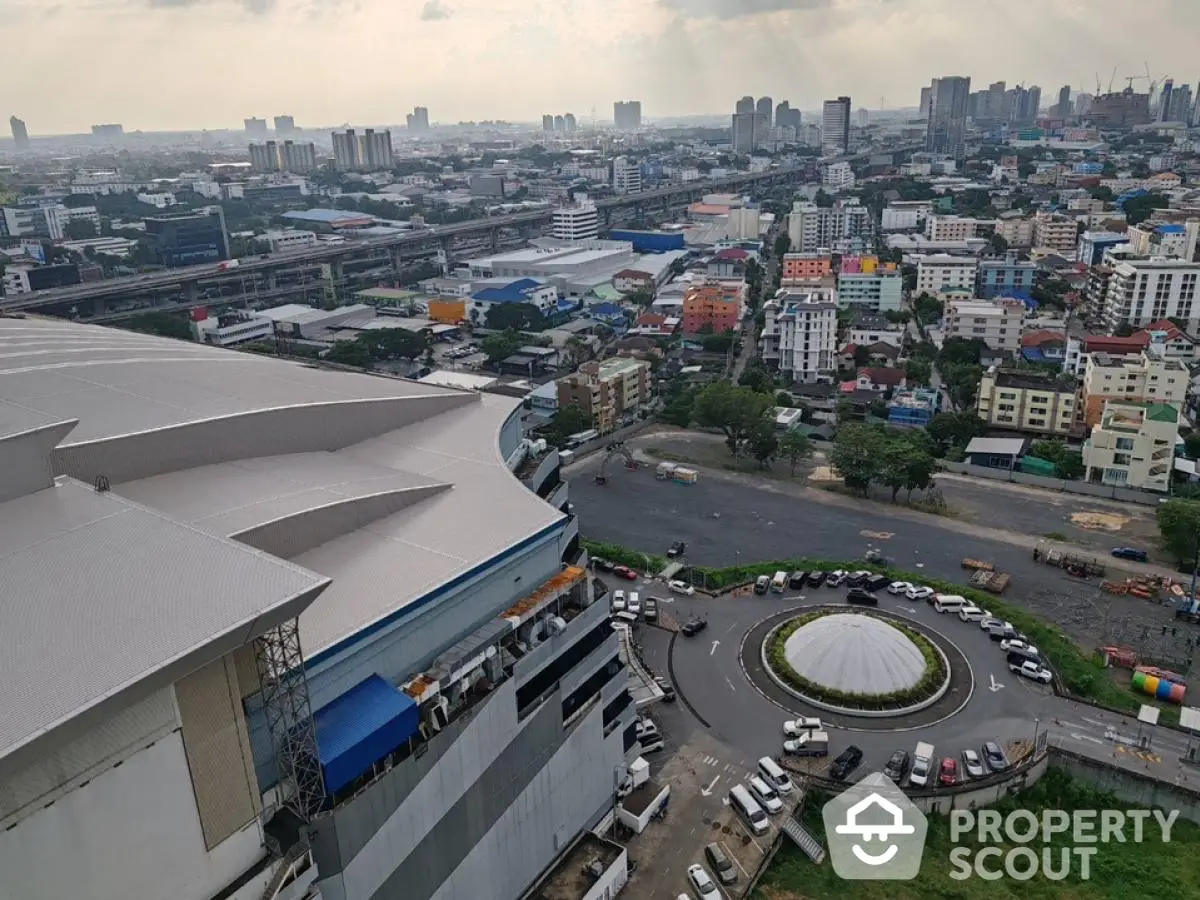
[289,718]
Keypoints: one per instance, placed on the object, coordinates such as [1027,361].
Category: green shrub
[933,678]
[646,562]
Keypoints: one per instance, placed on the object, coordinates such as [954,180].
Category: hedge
[933,678]
[644,562]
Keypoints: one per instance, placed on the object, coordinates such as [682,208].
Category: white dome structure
[856,654]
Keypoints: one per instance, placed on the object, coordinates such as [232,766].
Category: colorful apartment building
[714,303]
[801,267]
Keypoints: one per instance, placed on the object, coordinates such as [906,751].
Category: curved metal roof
[855,653]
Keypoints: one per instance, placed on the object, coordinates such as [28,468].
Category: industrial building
[271,629]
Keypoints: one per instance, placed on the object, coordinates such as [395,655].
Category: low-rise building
[231,328]
[522,290]
[799,335]
[1016,232]
[866,328]
[995,322]
[799,268]
[838,176]
[1141,291]
[1058,234]
[905,215]
[1092,244]
[913,408]
[880,290]
[1007,277]
[25,279]
[627,281]
[1133,445]
[285,239]
[606,390]
[943,274]
[1145,378]
[714,303]
[1026,401]
[950,228]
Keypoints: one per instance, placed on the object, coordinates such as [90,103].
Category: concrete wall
[1055,484]
[1134,788]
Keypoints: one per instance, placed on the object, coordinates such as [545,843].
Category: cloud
[738,9]
[256,7]
[434,11]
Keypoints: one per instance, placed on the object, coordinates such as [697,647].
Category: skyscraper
[763,108]
[1063,110]
[418,119]
[835,126]
[255,127]
[560,124]
[627,115]
[926,99]
[745,106]
[345,151]
[569,122]
[284,125]
[19,132]
[376,150]
[946,130]
[547,123]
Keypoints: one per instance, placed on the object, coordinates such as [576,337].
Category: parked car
[650,609]
[762,584]
[972,764]
[634,604]
[625,572]
[602,565]
[987,622]
[837,578]
[875,582]
[681,587]
[1130,553]
[618,601]
[848,760]
[693,627]
[797,580]
[854,579]
[766,795]
[919,776]
[1012,645]
[678,548]
[919,592]
[994,756]
[861,597]
[720,862]
[1032,670]
[667,689]
[897,766]
[702,882]
[796,727]
[900,587]
[948,773]
[817,577]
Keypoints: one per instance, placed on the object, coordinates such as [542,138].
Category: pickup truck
[1032,670]
[922,765]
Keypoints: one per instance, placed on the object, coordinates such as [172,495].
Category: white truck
[810,743]
[639,774]
[922,765]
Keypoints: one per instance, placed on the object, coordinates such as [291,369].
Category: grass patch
[932,679]
[645,562]
[1119,871]
[1055,536]
[668,456]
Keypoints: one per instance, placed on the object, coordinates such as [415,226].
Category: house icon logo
[874,832]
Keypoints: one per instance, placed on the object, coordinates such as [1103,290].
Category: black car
[994,756]
[856,579]
[897,766]
[816,577]
[848,760]
[861,597]
[797,580]
[693,627]
[602,564]
[668,692]
[677,549]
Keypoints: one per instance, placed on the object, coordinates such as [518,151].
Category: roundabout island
[856,663]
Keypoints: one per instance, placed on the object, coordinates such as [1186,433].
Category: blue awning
[361,727]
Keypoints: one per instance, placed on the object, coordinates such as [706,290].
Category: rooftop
[1032,381]
[571,878]
[855,653]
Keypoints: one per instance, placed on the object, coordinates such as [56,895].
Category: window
[1121,459]
[543,681]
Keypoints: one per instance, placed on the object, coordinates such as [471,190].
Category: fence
[1106,491]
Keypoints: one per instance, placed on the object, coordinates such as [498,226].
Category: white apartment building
[744,223]
[1133,445]
[800,335]
[838,176]
[950,228]
[232,328]
[48,221]
[840,227]
[159,200]
[1016,232]
[904,215]
[1141,291]
[1059,234]
[1145,378]
[579,222]
[943,274]
[290,239]
[626,176]
[996,322]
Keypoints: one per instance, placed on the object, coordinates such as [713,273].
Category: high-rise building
[861,117]
[190,238]
[284,125]
[547,123]
[947,126]
[763,108]
[1063,110]
[627,115]
[285,156]
[926,100]
[1082,104]
[113,132]
[580,221]
[345,151]
[1164,100]
[835,126]
[569,122]
[560,124]
[20,133]
[376,150]
[626,176]
[418,119]
[264,157]
[745,106]
[255,127]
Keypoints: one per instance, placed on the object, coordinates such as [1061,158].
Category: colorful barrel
[1164,690]
[1177,692]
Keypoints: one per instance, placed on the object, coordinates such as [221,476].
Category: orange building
[714,303]
[447,310]
[806,267]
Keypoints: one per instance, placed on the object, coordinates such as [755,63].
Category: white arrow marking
[995,685]
[707,791]
[730,683]
[714,648]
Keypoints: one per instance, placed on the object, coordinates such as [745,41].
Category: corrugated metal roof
[999,446]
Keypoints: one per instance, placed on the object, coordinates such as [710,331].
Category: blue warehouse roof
[517,292]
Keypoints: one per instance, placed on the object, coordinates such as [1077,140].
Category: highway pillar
[494,235]
[272,280]
[397,258]
[99,306]
[191,292]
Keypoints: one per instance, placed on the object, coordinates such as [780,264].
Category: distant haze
[190,64]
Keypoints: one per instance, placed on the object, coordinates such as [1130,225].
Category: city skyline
[653,50]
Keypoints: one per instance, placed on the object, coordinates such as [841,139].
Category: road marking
[1085,737]
[735,859]
[995,685]
[731,627]
[730,683]
[707,791]
[715,644]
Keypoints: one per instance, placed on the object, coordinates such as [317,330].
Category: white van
[747,807]
[635,604]
[774,776]
[944,603]
[779,582]
[765,794]
[972,613]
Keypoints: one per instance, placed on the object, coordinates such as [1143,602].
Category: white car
[919,592]
[765,795]
[986,623]
[618,601]
[1034,671]
[919,774]
[1015,646]
[635,603]
[796,727]
[900,587]
[702,882]
[681,587]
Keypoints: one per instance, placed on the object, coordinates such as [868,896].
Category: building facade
[950,228]
[995,322]
[24,279]
[879,290]
[1008,277]
[1022,401]
[20,133]
[626,176]
[715,304]
[1144,378]
[627,115]
[801,267]
[835,127]
[799,336]
[1133,445]
[606,390]
[578,222]
[1059,234]
[844,227]
[188,239]
[1139,292]
[941,274]
[838,177]
[947,126]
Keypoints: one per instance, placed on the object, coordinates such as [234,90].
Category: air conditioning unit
[556,625]
[436,715]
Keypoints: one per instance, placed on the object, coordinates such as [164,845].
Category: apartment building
[950,228]
[871,286]
[606,390]
[802,267]
[996,322]
[1145,378]
[943,274]
[714,303]
[1016,232]
[1141,291]
[1058,234]
[799,335]
[1024,401]
[579,221]
[1008,277]
[626,176]
[838,177]
[905,215]
[843,227]
[1092,245]
[1164,239]
[46,221]
[1133,445]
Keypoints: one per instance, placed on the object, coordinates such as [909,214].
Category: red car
[948,774]
[625,572]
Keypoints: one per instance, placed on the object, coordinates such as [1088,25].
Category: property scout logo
[876,833]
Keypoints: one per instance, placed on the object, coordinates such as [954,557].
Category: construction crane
[1111,79]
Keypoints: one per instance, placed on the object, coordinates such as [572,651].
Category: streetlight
[1036,723]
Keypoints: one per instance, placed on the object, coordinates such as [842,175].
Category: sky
[190,64]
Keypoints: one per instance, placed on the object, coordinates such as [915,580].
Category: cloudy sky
[175,64]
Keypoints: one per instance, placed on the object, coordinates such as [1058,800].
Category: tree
[918,371]
[499,346]
[823,199]
[762,441]
[927,308]
[951,429]
[857,455]
[757,377]
[678,409]
[349,353]
[794,447]
[1191,444]
[519,316]
[862,355]
[79,230]
[783,244]
[164,324]
[640,297]
[567,421]
[1067,465]
[998,244]
[1179,525]
[732,409]
[783,398]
